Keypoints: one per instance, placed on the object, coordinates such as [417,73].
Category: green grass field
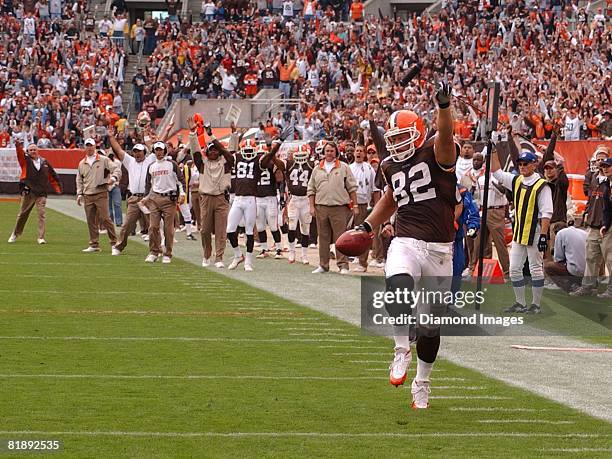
[122,359]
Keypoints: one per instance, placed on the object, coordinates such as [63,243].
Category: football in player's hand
[353,243]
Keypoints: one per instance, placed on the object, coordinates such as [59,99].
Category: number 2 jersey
[426,196]
[297,177]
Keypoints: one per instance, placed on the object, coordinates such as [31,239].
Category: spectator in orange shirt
[104,100]
[357,12]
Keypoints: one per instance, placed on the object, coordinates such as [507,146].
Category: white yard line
[188,377]
[470,397]
[173,338]
[559,376]
[523,421]
[576,450]
[493,409]
[93,433]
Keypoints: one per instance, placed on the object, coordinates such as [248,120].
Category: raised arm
[444,150]
[119,152]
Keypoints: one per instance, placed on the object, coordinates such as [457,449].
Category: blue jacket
[470,216]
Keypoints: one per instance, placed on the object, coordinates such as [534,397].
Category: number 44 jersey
[297,177]
[426,196]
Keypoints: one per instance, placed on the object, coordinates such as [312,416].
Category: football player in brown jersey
[248,165]
[419,172]
[267,201]
[298,172]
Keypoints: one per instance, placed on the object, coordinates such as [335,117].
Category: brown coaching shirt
[426,196]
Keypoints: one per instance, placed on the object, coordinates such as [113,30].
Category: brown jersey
[426,196]
[247,175]
[266,186]
[297,177]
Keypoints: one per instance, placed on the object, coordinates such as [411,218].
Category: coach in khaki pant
[137,164]
[214,181]
[37,175]
[94,175]
[330,190]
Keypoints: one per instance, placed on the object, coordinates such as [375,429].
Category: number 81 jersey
[426,196]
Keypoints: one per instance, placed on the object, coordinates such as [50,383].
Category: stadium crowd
[551,58]
[59,74]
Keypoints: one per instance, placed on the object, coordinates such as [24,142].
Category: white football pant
[267,213]
[298,211]
[244,209]
[430,264]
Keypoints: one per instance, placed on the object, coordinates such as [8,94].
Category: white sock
[537,294]
[249,258]
[237,252]
[304,252]
[519,293]
[292,246]
[423,371]
[401,338]
[188,228]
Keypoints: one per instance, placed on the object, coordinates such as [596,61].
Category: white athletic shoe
[180,229]
[115,252]
[319,270]
[235,262]
[313,246]
[305,261]
[41,241]
[205,262]
[263,254]
[145,237]
[377,264]
[102,231]
[291,257]
[279,254]
[151,258]
[12,239]
[248,266]
[359,269]
[420,395]
[91,249]
[344,271]
[166,260]
[219,265]
[399,367]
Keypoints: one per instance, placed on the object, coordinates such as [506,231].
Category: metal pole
[483,223]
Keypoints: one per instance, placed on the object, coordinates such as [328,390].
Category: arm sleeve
[607,214]
[79,181]
[505,178]
[349,181]
[473,216]
[54,179]
[179,176]
[148,180]
[513,151]
[21,158]
[128,160]
[559,249]
[545,204]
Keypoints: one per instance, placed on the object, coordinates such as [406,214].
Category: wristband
[446,105]
[367,226]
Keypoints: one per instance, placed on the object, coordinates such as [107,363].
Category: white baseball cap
[160,144]
[139,146]
[90,142]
